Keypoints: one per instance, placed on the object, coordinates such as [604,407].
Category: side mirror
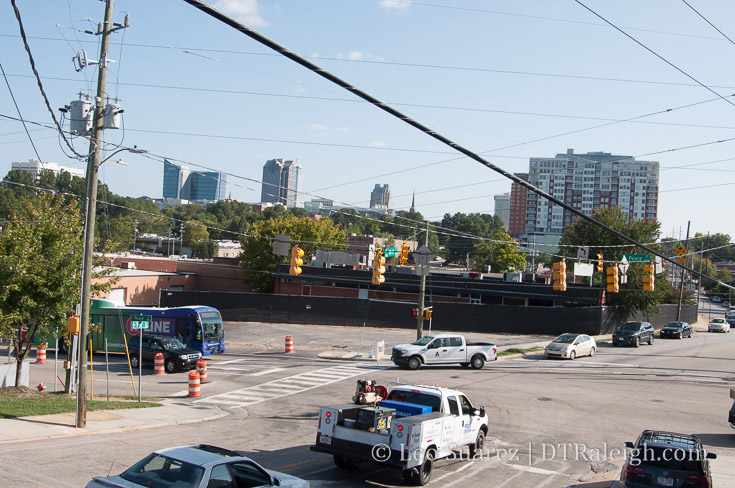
[711,455]
[480,412]
[629,445]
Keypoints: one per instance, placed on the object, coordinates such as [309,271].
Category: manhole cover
[544,399]
[657,401]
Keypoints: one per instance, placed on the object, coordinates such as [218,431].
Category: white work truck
[443,349]
[409,430]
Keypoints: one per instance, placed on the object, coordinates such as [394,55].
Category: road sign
[138,322]
[682,260]
[389,252]
[637,258]
[681,250]
[423,255]
[623,267]
[583,253]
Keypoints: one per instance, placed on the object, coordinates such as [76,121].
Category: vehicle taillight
[630,469]
[698,479]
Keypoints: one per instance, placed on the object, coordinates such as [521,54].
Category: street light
[93,165]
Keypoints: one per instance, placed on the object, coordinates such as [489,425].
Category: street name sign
[140,322]
[637,258]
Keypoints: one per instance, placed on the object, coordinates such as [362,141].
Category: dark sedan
[676,330]
[633,333]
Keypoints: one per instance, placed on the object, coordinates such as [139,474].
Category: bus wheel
[170,366]
[134,360]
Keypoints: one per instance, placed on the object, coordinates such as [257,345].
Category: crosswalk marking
[285,386]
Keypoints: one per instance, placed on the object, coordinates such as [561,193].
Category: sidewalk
[172,412]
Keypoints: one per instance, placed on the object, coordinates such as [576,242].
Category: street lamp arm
[133,150]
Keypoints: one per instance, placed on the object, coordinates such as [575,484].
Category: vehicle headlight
[183,356]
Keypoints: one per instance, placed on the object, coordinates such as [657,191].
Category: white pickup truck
[443,349]
[412,428]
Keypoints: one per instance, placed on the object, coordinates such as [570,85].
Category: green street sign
[637,258]
[140,321]
[389,252]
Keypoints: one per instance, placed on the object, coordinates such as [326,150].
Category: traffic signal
[404,254]
[600,263]
[649,277]
[378,267]
[663,265]
[296,254]
[613,285]
[559,275]
[427,313]
[415,312]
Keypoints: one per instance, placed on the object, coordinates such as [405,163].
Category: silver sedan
[718,325]
[571,346]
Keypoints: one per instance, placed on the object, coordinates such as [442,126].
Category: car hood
[671,329]
[625,332]
[183,350]
[287,480]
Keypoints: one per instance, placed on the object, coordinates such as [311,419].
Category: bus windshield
[212,326]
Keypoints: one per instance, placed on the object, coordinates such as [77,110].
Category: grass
[518,350]
[24,402]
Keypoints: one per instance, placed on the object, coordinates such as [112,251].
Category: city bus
[198,327]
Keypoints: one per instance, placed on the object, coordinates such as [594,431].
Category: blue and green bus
[198,327]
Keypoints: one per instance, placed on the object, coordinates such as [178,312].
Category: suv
[176,356]
[666,459]
[633,333]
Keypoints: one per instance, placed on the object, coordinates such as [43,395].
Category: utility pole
[422,289]
[181,236]
[92,166]
[135,234]
[681,283]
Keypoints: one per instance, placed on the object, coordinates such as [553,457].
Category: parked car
[730,318]
[718,325]
[199,466]
[666,459]
[717,299]
[571,346]
[176,356]
[633,333]
[676,330]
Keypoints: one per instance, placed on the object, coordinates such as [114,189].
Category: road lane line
[268,371]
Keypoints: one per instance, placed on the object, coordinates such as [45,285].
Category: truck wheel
[422,475]
[478,362]
[170,365]
[341,462]
[464,365]
[413,363]
[476,448]
[134,360]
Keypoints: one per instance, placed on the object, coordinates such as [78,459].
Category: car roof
[202,454]
[670,439]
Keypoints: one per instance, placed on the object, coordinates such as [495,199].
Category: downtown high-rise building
[380,198]
[587,182]
[180,183]
[502,208]
[281,183]
[517,216]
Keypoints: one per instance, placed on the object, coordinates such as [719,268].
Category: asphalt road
[553,423]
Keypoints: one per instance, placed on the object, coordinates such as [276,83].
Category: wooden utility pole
[92,168]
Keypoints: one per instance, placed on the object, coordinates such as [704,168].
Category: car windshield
[675,325]
[631,326]
[566,338]
[212,325]
[423,341]
[158,471]
[172,343]
[718,321]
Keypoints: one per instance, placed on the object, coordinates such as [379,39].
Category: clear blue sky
[492,76]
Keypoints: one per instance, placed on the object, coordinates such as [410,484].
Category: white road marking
[268,371]
[284,386]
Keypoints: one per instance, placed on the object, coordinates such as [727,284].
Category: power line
[35,150]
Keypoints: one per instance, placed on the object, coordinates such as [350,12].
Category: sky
[508,79]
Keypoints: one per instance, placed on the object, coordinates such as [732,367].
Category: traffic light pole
[92,167]
[422,289]
[681,284]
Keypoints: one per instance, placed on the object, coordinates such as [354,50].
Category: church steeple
[413,203]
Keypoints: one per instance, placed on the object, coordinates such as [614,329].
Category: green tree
[631,298]
[466,228]
[257,258]
[40,271]
[502,253]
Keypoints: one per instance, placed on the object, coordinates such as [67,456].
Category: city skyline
[202,95]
